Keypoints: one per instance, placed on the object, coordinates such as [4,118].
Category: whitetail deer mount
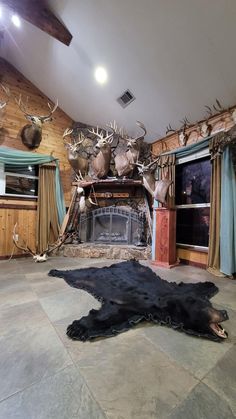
[31,134]
[100,165]
[157,188]
[124,162]
[79,164]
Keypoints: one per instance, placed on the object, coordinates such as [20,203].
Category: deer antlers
[42,118]
[109,137]
[123,134]
[74,146]
[42,257]
[7,92]
[218,108]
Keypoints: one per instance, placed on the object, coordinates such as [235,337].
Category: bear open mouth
[218,330]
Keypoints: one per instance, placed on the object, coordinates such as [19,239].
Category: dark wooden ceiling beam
[37,13]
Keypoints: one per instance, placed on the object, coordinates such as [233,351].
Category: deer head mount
[31,134]
[147,174]
[124,161]
[157,188]
[100,165]
[182,134]
[79,164]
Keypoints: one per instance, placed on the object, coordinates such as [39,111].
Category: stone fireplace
[116,227]
[112,225]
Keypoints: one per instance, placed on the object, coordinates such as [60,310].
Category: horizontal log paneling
[11,122]
[26,221]
[193,256]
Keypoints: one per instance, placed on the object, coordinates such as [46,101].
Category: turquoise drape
[228,215]
[189,149]
[23,158]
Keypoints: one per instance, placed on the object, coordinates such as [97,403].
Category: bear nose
[225,314]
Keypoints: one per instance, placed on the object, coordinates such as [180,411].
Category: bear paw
[76,331]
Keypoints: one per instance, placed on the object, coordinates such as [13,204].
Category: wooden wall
[11,121]
[220,122]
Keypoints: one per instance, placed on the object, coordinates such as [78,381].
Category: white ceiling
[174,55]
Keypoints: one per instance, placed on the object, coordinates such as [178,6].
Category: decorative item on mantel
[78,163]
[125,161]
[100,165]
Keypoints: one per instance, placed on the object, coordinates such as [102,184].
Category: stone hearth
[88,250]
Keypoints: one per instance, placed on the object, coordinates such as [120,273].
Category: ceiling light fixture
[16,20]
[100,75]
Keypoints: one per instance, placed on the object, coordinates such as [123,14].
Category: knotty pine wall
[11,121]
[220,122]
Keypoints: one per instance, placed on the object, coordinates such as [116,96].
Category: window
[19,181]
[193,179]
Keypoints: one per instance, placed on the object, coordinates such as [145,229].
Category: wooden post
[165,238]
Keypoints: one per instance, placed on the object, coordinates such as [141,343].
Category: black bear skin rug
[130,292]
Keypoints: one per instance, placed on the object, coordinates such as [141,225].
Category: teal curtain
[228,215]
[189,149]
[23,158]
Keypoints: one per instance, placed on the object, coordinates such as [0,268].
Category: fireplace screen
[112,225]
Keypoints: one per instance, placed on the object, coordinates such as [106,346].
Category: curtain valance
[23,158]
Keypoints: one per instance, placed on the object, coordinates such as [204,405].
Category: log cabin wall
[220,122]
[23,211]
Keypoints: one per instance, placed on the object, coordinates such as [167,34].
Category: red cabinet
[165,238]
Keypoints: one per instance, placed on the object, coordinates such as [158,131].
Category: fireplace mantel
[108,182]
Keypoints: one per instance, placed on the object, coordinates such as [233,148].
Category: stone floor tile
[44,285]
[222,378]
[29,356]
[61,396]
[131,378]
[203,403]
[72,302]
[196,355]
[226,297]
[9,267]
[14,292]
[20,317]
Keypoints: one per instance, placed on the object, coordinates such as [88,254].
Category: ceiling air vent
[126,98]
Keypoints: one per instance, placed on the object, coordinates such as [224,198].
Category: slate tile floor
[148,372]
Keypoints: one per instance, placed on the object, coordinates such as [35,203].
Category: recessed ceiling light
[16,20]
[100,75]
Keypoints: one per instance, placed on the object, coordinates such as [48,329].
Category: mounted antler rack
[38,257]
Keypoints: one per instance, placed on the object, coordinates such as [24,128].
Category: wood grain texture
[25,219]
[38,14]
[193,256]
[11,122]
